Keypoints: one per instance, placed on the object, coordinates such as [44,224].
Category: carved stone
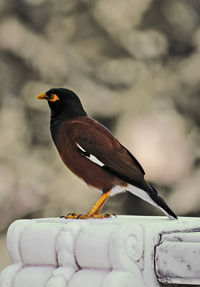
[125,251]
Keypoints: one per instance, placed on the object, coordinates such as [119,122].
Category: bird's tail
[149,194]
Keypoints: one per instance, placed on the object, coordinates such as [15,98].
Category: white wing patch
[80,147]
[95,160]
[91,157]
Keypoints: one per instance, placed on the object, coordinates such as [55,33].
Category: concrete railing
[119,252]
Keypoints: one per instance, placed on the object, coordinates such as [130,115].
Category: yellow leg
[99,204]
[94,211]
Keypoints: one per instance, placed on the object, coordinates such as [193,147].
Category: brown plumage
[91,152]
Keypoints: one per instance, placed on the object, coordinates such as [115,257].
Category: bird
[93,154]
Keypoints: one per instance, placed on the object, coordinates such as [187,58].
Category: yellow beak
[42,96]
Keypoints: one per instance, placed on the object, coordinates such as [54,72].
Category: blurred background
[134,64]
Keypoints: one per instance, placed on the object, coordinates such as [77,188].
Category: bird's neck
[55,125]
[66,111]
[67,115]
[61,113]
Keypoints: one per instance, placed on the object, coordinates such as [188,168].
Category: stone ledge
[113,252]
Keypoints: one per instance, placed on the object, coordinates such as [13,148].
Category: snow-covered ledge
[124,251]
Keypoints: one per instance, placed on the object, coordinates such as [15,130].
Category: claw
[72,214]
[111,214]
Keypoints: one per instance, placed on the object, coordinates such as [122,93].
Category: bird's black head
[64,103]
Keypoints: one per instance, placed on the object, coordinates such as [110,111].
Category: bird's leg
[99,204]
[94,211]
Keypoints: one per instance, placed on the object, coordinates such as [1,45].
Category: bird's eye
[51,96]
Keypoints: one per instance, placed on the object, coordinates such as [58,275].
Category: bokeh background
[136,67]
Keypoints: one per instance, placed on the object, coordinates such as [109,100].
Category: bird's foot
[87,216]
[98,216]
[71,215]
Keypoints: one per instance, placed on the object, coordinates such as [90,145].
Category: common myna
[91,152]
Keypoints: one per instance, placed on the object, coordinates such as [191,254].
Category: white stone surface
[119,252]
[178,258]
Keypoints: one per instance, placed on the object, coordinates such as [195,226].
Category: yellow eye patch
[53,98]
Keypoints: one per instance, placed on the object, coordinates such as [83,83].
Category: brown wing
[96,140]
